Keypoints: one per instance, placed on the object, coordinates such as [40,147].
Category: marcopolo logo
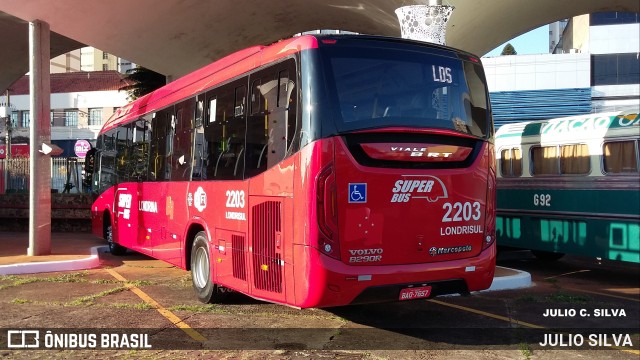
[433,251]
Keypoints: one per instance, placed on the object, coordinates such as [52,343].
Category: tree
[509,50]
[141,81]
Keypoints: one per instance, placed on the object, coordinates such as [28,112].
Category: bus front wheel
[114,248]
[201,276]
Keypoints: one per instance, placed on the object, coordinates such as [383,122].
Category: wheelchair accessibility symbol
[357,192]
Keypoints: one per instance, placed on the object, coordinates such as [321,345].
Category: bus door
[126,217]
[126,194]
[173,172]
[157,198]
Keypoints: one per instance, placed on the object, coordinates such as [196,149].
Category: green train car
[571,186]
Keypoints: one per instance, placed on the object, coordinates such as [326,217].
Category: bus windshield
[388,87]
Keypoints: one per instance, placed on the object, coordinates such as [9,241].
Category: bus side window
[183,141]
[160,131]
[107,159]
[225,133]
[212,136]
[257,127]
[140,149]
[124,140]
[278,92]
[200,150]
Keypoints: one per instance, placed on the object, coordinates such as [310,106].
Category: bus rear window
[382,87]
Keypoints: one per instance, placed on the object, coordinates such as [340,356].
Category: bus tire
[201,277]
[546,255]
[114,248]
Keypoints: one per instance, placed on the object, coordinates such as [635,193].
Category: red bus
[317,171]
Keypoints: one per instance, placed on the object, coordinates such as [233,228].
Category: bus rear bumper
[335,283]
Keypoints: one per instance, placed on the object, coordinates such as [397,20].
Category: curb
[520,280]
[51,266]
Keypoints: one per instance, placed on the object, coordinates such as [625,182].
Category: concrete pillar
[40,132]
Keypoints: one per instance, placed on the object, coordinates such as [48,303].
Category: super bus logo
[427,187]
[124,203]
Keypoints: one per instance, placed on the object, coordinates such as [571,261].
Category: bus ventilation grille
[267,262]
[238,257]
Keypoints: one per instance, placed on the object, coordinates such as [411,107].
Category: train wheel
[201,276]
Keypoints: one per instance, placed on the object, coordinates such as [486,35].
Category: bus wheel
[201,275]
[546,255]
[114,248]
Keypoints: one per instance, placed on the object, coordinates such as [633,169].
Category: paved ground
[138,295]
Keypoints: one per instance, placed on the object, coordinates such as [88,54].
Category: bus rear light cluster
[327,210]
[490,216]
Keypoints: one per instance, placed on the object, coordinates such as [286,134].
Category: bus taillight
[490,216]
[327,210]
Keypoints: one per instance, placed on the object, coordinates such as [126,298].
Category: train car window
[544,160]
[511,162]
[620,157]
[575,159]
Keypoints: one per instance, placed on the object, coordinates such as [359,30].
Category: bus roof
[217,72]
[236,64]
[573,127]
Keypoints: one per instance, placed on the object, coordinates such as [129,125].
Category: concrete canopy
[174,37]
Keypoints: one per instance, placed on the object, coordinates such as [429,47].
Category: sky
[534,42]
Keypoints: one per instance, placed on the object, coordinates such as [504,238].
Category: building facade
[80,104]
[595,67]
[69,62]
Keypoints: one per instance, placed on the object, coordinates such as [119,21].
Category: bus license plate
[415,293]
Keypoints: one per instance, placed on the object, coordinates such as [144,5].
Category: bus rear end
[402,176]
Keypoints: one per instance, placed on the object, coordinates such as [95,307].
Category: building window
[105,67]
[70,118]
[615,69]
[95,116]
[26,119]
[620,157]
[105,56]
[611,18]
[14,119]
[511,162]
